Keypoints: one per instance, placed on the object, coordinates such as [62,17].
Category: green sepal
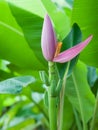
[44,77]
[46,101]
[55,89]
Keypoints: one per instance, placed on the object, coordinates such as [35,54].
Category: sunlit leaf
[60,19]
[13,46]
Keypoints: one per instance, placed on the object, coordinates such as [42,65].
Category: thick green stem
[95,115]
[61,105]
[53,113]
[52,96]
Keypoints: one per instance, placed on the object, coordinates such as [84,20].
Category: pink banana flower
[51,49]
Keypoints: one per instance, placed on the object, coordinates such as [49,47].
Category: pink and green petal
[72,52]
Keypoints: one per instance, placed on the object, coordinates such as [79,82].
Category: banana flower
[51,49]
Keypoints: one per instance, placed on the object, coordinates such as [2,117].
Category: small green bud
[44,78]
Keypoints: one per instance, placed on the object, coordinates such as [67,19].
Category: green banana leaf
[79,93]
[85,15]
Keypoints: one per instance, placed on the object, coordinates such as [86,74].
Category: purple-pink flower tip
[69,54]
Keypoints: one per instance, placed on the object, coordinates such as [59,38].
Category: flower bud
[48,39]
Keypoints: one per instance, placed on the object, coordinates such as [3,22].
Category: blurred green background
[21,99]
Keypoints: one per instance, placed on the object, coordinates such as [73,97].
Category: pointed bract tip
[91,36]
[47,17]
[69,54]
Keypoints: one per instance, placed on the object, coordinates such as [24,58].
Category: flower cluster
[51,48]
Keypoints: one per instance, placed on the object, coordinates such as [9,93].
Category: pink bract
[48,39]
[72,52]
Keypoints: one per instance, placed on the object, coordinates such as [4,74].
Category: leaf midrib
[11,28]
